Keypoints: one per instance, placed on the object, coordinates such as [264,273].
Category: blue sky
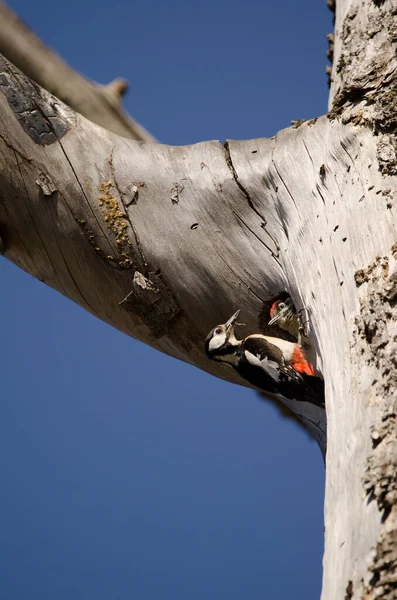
[124,473]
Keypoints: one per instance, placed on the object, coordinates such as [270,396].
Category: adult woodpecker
[283,313]
[271,364]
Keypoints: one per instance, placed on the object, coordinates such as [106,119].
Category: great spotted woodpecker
[283,313]
[271,364]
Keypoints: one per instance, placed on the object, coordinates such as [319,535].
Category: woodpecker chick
[271,364]
[283,313]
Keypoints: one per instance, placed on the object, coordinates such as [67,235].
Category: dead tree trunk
[360,558]
[164,242]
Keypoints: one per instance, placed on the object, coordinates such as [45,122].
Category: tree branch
[164,242]
[101,104]
[161,242]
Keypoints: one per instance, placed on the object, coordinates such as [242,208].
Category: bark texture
[361,491]
[161,242]
[165,242]
[99,103]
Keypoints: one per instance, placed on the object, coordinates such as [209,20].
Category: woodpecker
[283,313]
[271,364]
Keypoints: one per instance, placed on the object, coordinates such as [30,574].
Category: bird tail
[314,390]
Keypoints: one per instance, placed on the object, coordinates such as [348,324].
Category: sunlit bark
[164,242]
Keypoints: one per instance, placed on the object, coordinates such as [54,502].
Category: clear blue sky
[124,473]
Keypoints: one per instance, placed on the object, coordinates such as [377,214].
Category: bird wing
[270,358]
[261,352]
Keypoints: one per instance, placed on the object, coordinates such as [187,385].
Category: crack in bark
[232,169]
[74,280]
[322,173]
[285,186]
[144,263]
[26,195]
[320,193]
[11,147]
[86,199]
[344,148]
[336,269]
[60,283]
[308,153]
[349,590]
[255,235]
[238,278]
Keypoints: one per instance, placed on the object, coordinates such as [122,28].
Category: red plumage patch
[300,363]
[273,308]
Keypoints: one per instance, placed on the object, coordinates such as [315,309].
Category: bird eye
[218,330]
[281,305]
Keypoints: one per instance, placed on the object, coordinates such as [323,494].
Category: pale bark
[165,242]
[121,220]
[360,558]
[99,103]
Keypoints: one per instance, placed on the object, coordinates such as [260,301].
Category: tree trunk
[165,242]
[360,558]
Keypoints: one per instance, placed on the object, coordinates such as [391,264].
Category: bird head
[221,340]
[281,311]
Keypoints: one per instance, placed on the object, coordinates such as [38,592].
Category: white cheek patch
[217,341]
[269,366]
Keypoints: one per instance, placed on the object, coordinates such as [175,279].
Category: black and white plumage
[271,364]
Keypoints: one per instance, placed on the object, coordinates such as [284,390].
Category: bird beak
[274,320]
[232,321]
